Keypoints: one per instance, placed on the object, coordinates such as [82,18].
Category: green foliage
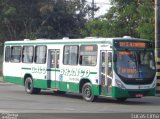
[10,11]
[125,17]
[96,28]
[60,20]
[146,23]
[32,19]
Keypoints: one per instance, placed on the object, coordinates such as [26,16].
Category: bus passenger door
[53,68]
[106,72]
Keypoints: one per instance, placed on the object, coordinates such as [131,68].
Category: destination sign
[132,44]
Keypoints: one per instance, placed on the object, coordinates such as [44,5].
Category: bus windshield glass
[135,64]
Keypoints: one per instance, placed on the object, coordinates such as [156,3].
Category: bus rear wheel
[29,87]
[87,93]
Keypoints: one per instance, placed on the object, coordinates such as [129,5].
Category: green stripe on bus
[55,70]
[51,84]
[26,68]
[118,92]
[93,72]
[64,86]
[15,80]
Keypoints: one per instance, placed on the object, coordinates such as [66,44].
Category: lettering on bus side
[75,72]
[39,70]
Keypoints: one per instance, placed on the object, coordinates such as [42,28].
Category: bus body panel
[12,73]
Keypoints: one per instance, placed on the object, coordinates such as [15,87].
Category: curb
[2,81]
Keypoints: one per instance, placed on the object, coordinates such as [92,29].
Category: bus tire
[87,92]
[29,87]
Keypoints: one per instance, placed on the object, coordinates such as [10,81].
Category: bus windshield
[135,64]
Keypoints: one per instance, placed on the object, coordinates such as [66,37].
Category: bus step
[55,89]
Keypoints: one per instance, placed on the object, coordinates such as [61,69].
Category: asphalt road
[13,99]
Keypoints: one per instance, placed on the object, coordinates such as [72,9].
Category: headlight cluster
[119,84]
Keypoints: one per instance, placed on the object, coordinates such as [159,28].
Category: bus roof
[88,40]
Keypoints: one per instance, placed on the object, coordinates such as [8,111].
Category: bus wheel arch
[28,84]
[25,77]
[86,90]
[82,82]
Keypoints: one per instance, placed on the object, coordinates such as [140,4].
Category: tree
[146,23]
[41,19]
[96,28]
[18,18]
[126,17]
[62,18]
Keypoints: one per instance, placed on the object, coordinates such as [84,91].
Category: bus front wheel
[87,92]
[29,87]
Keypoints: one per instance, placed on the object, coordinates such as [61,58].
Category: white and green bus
[111,67]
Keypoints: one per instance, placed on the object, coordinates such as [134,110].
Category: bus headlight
[119,84]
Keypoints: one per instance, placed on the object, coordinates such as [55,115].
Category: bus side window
[7,53]
[110,64]
[70,55]
[27,52]
[88,55]
[40,54]
[16,54]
